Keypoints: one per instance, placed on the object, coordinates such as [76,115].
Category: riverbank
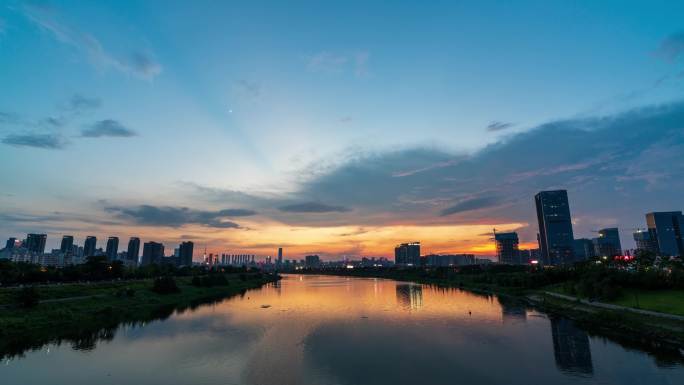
[646,329]
[77,312]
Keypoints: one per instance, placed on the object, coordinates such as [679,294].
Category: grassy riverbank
[77,312]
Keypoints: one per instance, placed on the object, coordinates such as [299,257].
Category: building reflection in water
[512,310]
[571,347]
[409,295]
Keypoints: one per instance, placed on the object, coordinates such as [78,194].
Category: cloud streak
[179,216]
[42,141]
[107,128]
[47,18]
[313,207]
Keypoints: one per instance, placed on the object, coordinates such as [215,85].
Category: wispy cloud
[179,216]
[107,128]
[313,207]
[43,141]
[79,102]
[470,204]
[499,126]
[331,62]
[47,18]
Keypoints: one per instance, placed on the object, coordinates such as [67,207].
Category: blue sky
[116,115]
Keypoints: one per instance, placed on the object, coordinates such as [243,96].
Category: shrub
[28,297]
[165,285]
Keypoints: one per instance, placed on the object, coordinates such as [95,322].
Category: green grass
[663,301]
[74,320]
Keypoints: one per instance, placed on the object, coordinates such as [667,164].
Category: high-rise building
[67,245]
[133,250]
[312,261]
[608,243]
[665,229]
[152,253]
[644,242]
[89,246]
[112,248]
[10,243]
[185,252]
[35,243]
[279,261]
[407,254]
[507,250]
[584,249]
[555,227]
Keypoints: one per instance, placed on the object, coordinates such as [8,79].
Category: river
[337,330]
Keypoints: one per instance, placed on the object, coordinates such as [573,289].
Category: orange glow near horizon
[264,238]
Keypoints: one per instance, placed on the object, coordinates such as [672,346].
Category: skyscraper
[608,243]
[279,261]
[89,246]
[507,250]
[35,243]
[555,227]
[584,249]
[112,248]
[133,250]
[407,254]
[152,253]
[644,241]
[185,252]
[67,245]
[10,243]
[665,229]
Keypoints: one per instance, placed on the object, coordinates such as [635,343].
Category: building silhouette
[112,248]
[556,241]
[312,261]
[89,246]
[153,252]
[279,261]
[133,250]
[185,252]
[665,229]
[584,249]
[608,243]
[644,241]
[35,243]
[10,243]
[67,245]
[407,254]
[507,250]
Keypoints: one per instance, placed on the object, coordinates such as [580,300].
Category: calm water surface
[333,330]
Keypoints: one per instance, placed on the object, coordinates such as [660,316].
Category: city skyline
[359,139]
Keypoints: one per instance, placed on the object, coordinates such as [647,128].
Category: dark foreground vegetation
[82,312]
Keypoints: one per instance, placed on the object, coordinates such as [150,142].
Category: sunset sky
[337,128]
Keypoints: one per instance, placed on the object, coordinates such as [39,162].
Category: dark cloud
[179,216]
[313,207]
[471,204]
[107,128]
[44,141]
[672,46]
[143,64]
[499,126]
[82,103]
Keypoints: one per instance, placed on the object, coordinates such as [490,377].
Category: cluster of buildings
[558,246]
[32,250]
[408,254]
